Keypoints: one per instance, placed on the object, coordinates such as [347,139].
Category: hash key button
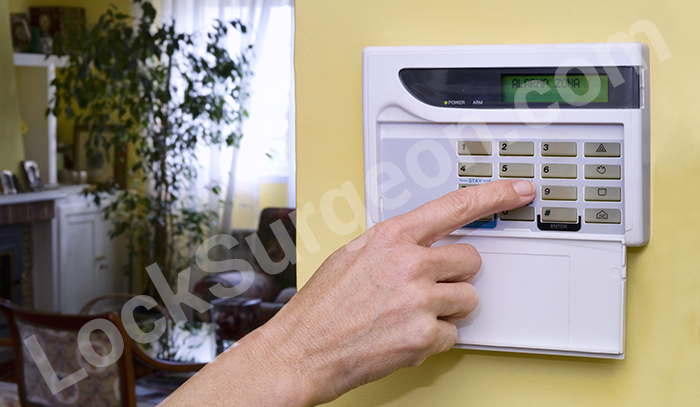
[601,149]
[602,171]
[559,215]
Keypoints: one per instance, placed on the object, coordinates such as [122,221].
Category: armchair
[111,386]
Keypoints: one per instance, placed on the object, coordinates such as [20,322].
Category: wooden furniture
[57,334]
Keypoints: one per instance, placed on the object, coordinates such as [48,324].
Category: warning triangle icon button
[601,149]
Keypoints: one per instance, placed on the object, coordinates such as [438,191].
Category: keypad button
[559,193]
[601,149]
[474,148]
[602,171]
[603,215]
[603,194]
[568,215]
[522,214]
[558,149]
[521,148]
[559,171]
[516,170]
[475,170]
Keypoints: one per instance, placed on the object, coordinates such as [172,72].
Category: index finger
[436,219]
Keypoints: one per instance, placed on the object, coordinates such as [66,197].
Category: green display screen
[551,88]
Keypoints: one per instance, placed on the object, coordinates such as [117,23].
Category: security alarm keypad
[579,182]
[571,118]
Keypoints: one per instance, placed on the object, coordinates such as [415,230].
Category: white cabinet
[90,263]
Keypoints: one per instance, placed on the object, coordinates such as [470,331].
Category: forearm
[260,371]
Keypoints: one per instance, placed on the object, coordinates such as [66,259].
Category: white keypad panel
[577,171]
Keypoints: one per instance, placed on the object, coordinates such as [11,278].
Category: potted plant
[145,89]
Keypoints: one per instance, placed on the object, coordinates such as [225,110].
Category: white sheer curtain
[266,151]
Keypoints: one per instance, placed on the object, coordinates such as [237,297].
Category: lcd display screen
[572,89]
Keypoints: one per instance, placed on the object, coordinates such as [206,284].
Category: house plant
[144,88]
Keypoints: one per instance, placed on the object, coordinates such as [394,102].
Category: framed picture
[31,171]
[103,167]
[8,184]
[21,34]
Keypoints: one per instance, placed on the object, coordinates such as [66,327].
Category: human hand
[384,301]
[387,299]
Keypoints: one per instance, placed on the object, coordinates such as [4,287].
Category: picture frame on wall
[103,167]
[31,171]
[8,184]
[21,33]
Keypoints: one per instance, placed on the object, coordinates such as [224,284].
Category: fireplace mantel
[31,197]
[28,208]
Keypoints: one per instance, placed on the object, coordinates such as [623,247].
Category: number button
[559,193]
[558,149]
[474,148]
[475,170]
[519,148]
[522,214]
[559,171]
[516,170]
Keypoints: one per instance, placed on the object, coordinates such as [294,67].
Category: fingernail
[524,188]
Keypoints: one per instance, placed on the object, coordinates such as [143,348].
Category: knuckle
[412,263]
[458,205]
[451,338]
[471,299]
[425,335]
[502,194]
[418,360]
[382,231]
[473,257]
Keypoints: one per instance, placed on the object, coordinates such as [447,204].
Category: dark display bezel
[480,88]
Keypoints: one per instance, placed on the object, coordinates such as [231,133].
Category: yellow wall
[11,145]
[662,366]
[93,10]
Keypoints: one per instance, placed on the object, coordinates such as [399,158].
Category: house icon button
[601,215]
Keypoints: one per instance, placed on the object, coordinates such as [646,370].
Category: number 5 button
[516,170]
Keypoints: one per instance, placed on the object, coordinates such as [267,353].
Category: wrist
[275,365]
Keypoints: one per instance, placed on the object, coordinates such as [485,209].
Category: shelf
[31,197]
[39,60]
